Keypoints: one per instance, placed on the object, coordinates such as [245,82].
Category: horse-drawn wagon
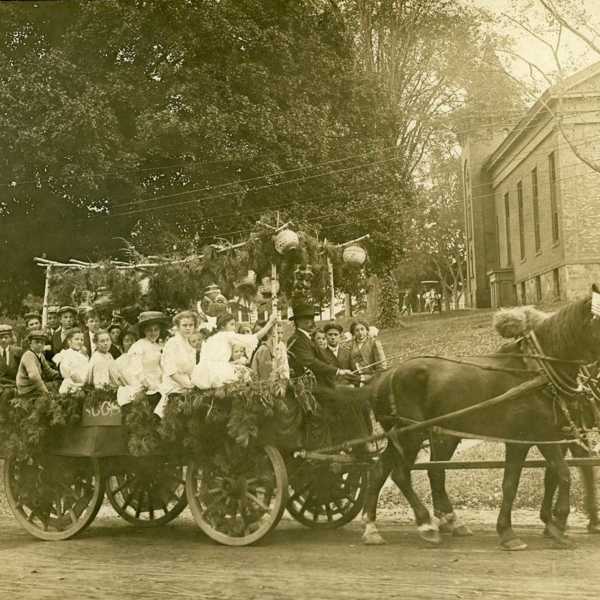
[60,466]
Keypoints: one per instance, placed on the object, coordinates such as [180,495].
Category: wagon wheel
[325,496]
[238,496]
[147,492]
[54,497]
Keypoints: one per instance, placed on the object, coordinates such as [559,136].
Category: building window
[536,210]
[538,288]
[507,219]
[523,293]
[553,195]
[556,283]
[521,219]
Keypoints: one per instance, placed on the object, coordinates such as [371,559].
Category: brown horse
[423,388]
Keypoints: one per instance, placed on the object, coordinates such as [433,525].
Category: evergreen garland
[194,424]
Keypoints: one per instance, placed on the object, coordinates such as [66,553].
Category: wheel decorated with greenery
[53,497]
[147,491]
[238,495]
[325,495]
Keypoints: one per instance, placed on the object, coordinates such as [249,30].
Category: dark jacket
[115,351]
[57,341]
[8,372]
[303,356]
[343,360]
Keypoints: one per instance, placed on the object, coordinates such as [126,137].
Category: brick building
[532,206]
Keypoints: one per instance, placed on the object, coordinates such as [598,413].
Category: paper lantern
[286,240]
[354,255]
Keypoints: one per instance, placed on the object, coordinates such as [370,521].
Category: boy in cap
[10,355]
[33,369]
[67,316]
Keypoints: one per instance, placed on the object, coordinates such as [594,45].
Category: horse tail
[360,397]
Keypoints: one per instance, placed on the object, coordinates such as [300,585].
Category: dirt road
[114,560]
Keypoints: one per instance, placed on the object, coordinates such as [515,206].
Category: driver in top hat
[302,354]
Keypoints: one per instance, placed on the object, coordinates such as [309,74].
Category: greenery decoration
[193,424]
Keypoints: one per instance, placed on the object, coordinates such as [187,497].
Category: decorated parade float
[230,453]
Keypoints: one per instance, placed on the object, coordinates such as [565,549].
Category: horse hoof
[513,545]
[462,531]
[373,539]
[558,536]
[593,528]
[431,536]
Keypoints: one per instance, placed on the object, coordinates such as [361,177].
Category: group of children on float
[144,360]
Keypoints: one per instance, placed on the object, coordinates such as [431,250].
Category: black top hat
[303,309]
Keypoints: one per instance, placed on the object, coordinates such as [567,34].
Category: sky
[574,52]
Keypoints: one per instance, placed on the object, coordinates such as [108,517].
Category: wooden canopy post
[46,296]
[331,285]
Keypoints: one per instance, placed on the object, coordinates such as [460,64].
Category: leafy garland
[193,424]
[177,284]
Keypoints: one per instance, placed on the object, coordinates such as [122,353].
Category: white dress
[215,368]
[73,367]
[141,369]
[102,370]
[178,356]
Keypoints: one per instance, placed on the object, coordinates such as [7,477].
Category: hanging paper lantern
[354,256]
[286,240]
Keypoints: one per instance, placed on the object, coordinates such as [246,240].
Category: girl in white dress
[144,356]
[72,363]
[102,372]
[214,368]
[178,359]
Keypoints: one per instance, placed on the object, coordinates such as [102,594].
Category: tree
[435,243]
[548,24]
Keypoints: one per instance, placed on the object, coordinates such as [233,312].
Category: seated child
[102,371]
[72,363]
[33,369]
[240,362]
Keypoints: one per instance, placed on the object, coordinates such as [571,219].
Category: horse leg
[550,485]
[427,527]
[555,528]
[375,479]
[588,477]
[515,456]
[442,448]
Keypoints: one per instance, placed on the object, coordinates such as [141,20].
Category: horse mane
[518,321]
[564,334]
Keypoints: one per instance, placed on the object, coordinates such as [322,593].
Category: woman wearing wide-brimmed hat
[144,359]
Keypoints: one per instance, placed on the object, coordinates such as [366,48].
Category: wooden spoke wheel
[325,495]
[239,495]
[147,492]
[54,497]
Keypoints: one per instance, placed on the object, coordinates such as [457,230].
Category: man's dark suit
[8,372]
[303,355]
[343,360]
[57,341]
